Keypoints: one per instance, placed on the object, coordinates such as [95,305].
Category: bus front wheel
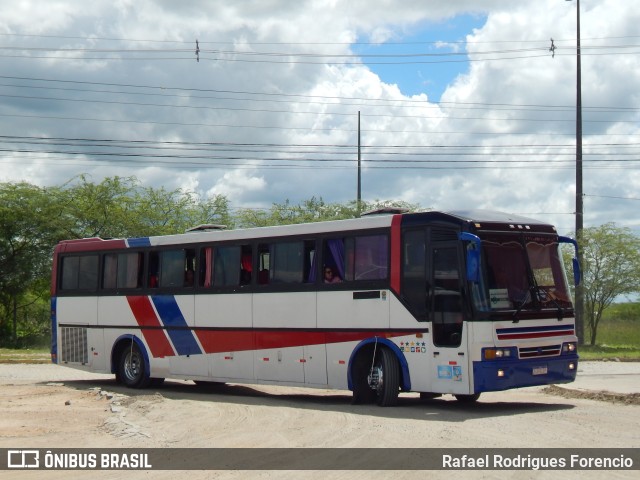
[384,378]
[467,398]
[131,367]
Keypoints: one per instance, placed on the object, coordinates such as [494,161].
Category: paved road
[47,406]
[617,377]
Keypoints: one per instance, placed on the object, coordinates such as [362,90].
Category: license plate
[540,370]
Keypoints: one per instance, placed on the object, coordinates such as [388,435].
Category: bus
[438,303]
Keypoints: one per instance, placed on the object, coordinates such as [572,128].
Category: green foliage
[611,258]
[610,269]
[29,227]
[624,313]
[311,210]
[618,334]
[34,219]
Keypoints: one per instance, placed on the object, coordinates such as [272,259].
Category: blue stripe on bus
[534,329]
[139,242]
[171,316]
[54,329]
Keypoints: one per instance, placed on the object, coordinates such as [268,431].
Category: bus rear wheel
[384,378]
[467,398]
[131,367]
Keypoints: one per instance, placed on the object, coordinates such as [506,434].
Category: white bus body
[418,307]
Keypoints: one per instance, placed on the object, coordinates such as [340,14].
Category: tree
[34,219]
[311,210]
[164,212]
[118,207]
[611,267]
[28,231]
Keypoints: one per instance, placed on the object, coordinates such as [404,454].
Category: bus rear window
[80,273]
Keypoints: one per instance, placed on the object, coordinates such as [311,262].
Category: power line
[612,196]
[388,131]
[226,42]
[163,89]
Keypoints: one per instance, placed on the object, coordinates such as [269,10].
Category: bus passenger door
[450,364]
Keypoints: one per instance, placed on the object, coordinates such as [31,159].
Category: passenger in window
[330,276]
[188,278]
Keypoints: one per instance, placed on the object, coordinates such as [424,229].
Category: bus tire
[156,382]
[363,394]
[131,367]
[384,378]
[468,398]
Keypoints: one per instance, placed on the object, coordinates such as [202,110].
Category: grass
[25,355]
[605,352]
[617,339]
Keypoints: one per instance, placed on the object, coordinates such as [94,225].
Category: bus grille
[538,352]
[74,345]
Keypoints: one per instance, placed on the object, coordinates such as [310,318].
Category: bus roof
[470,220]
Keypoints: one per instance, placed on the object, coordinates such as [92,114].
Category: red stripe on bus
[396,253]
[516,336]
[146,316]
[219,341]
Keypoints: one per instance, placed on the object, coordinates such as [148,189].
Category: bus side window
[264,264]
[177,268]
[189,268]
[447,299]
[333,257]
[371,257]
[122,270]
[172,268]
[246,265]
[414,272]
[364,257]
[227,266]
[153,270]
[79,273]
[205,278]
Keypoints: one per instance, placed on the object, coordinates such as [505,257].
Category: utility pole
[579,307]
[359,194]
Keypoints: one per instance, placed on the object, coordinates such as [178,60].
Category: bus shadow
[410,406]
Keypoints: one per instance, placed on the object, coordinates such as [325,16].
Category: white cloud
[227,130]
[239,184]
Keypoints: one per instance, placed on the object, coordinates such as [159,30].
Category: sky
[462,104]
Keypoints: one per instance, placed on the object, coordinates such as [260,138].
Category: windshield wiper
[526,299]
[549,297]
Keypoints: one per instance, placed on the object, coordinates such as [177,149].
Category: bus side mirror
[577,274]
[473,265]
[473,256]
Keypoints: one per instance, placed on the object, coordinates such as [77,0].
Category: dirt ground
[49,406]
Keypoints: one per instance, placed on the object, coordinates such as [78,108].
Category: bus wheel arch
[130,362]
[377,372]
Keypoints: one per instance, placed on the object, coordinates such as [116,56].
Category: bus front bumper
[495,375]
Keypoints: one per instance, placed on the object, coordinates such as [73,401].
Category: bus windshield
[522,273]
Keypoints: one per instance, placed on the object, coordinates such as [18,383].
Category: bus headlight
[496,353]
[570,347]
